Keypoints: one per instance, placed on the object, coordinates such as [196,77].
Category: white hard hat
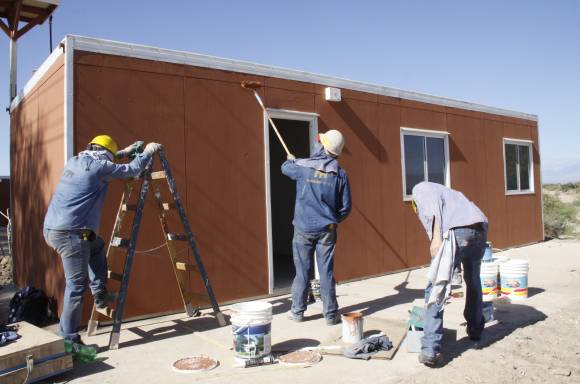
[332,141]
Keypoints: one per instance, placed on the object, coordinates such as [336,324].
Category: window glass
[414,161]
[524,162]
[511,166]
[436,160]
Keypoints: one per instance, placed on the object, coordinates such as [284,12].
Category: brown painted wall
[37,159]
[213,133]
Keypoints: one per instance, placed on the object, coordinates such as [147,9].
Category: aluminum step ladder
[149,179]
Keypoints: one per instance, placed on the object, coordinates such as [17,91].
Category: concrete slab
[148,348]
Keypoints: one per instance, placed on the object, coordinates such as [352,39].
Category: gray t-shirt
[451,207]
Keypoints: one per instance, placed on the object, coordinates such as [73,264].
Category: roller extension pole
[253,85]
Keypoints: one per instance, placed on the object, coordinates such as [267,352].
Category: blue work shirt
[80,193]
[322,198]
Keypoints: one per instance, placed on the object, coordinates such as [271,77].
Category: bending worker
[71,225]
[458,231]
[322,201]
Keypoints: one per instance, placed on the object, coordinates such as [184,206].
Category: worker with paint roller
[458,232]
[71,225]
[322,201]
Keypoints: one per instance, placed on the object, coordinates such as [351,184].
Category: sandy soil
[537,341]
[545,352]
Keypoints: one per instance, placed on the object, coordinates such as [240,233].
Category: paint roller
[253,86]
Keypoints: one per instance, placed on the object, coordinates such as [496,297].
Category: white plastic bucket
[352,327]
[514,279]
[251,329]
[489,283]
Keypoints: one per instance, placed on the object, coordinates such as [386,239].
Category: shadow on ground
[508,318]
[81,370]
[404,295]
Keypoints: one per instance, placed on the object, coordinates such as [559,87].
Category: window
[425,157]
[518,166]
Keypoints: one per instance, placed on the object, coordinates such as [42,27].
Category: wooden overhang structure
[13,13]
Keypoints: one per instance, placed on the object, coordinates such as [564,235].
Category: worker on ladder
[71,225]
[322,201]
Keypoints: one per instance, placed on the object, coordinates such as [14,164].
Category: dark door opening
[296,134]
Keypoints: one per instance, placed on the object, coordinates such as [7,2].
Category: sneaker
[103,299]
[430,361]
[333,320]
[294,317]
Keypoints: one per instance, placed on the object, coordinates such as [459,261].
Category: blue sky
[521,55]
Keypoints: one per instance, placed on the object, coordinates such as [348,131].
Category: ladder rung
[158,175]
[185,267]
[107,311]
[115,276]
[176,237]
[119,242]
[168,206]
[129,207]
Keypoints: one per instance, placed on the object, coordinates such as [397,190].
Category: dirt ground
[545,352]
[531,341]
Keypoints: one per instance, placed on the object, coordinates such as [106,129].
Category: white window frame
[520,142]
[424,133]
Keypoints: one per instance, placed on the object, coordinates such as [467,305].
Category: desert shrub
[557,216]
[570,187]
[551,187]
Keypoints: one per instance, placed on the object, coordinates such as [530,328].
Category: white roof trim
[180,57]
[524,141]
[424,131]
[36,77]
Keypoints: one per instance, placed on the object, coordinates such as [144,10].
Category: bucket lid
[516,262]
[252,306]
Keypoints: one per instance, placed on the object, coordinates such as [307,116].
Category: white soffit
[187,58]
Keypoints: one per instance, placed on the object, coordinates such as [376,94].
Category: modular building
[226,161]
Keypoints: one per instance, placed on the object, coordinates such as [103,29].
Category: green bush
[570,187]
[557,216]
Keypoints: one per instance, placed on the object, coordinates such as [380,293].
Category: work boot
[431,361]
[294,317]
[103,299]
[333,320]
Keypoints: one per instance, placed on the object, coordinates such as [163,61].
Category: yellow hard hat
[106,142]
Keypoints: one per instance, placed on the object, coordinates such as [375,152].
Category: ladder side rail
[173,256]
[93,321]
[192,243]
[114,337]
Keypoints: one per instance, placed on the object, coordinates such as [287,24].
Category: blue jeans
[470,248]
[81,259]
[304,245]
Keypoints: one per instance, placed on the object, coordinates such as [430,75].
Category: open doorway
[298,131]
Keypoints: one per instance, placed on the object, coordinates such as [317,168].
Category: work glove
[131,151]
[151,148]
[290,157]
